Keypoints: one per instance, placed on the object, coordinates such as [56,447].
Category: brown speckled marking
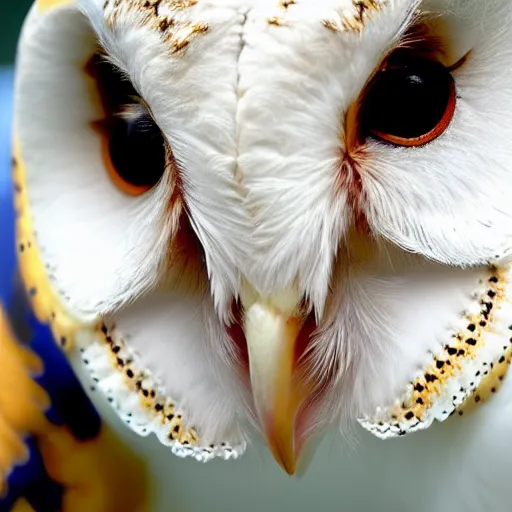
[276,21]
[45,303]
[464,346]
[174,30]
[331,25]
[490,385]
[182,37]
[355,18]
[286,3]
[161,408]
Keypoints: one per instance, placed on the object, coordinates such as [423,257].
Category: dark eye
[134,148]
[409,103]
[137,151]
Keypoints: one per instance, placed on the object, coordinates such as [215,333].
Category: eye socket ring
[430,136]
[409,103]
[114,171]
[134,150]
[135,154]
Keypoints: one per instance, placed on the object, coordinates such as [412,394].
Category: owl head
[271,216]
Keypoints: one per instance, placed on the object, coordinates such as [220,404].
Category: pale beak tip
[285,456]
[288,465]
[289,468]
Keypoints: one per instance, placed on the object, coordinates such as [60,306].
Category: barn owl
[250,219]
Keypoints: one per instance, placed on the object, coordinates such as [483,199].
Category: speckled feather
[460,369]
[139,400]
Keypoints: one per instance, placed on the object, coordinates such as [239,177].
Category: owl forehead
[178,21]
[252,96]
[351,14]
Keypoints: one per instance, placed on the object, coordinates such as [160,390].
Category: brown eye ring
[134,151]
[135,154]
[433,134]
[409,103]
[123,165]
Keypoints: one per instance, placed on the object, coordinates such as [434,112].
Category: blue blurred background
[31,479]
[12,15]
[11,18]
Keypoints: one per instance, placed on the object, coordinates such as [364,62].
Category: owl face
[270,215]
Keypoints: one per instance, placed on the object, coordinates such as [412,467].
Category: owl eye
[134,149]
[136,153]
[409,103]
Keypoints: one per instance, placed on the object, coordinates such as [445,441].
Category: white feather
[254,110]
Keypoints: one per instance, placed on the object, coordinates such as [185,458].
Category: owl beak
[271,332]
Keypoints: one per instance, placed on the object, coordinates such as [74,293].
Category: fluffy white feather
[254,107]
